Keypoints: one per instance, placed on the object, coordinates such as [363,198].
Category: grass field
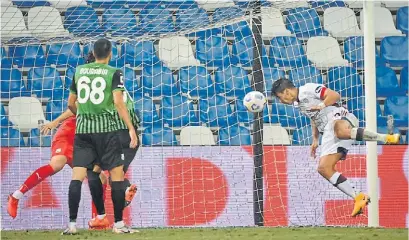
[223,233]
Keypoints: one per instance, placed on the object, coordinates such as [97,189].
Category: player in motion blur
[99,91]
[338,127]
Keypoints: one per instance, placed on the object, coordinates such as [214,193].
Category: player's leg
[97,185]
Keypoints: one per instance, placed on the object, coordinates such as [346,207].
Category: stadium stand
[324,52]
[12,23]
[275,135]
[234,136]
[341,22]
[383,22]
[394,50]
[196,136]
[45,22]
[196,82]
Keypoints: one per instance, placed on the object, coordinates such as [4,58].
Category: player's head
[103,50]
[284,90]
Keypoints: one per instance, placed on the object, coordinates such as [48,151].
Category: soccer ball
[254,101]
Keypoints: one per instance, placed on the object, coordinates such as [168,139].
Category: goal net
[205,160]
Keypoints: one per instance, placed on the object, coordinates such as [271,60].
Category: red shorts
[63,141]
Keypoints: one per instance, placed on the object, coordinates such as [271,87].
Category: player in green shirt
[98,89]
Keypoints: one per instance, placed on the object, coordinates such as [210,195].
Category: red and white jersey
[311,95]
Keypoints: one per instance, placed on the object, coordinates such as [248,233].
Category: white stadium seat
[12,23]
[25,113]
[196,136]
[6,3]
[289,3]
[341,22]
[275,135]
[273,23]
[46,22]
[211,5]
[383,22]
[395,4]
[324,52]
[177,52]
[64,4]
[359,3]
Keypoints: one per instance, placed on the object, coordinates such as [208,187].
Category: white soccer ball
[254,101]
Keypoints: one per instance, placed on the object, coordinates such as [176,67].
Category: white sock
[342,184]
[119,224]
[101,216]
[18,194]
[362,134]
[72,224]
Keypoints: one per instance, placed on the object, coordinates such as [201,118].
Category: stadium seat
[304,23]
[308,74]
[394,4]
[302,136]
[12,23]
[275,135]
[120,21]
[215,111]
[394,50]
[25,113]
[397,106]
[357,107]
[213,51]
[3,117]
[387,83]
[6,3]
[245,117]
[359,4]
[177,52]
[385,130]
[11,137]
[30,3]
[64,5]
[131,81]
[54,109]
[159,136]
[46,22]
[321,5]
[168,4]
[196,136]
[28,55]
[116,60]
[45,82]
[69,76]
[5,61]
[178,111]
[82,21]
[234,136]
[232,81]
[147,112]
[196,82]
[290,4]
[36,139]
[404,79]
[138,53]
[195,18]
[228,14]
[156,20]
[273,23]
[354,52]
[324,52]
[288,116]
[287,51]
[242,51]
[346,81]
[341,22]
[12,84]
[270,75]
[64,54]
[383,22]
[212,5]
[98,4]
[402,19]
[157,80]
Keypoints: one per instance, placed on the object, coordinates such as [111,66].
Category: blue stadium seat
[156,20]
[384,130]
[139,53]
[397,106]
[288,116]
[216,112]
[45,82]
[131,81]
[82,21]
[147,112]
[246,117]
[354,52]
[213,51]
[63,54]
[287,51]
[116,60]
[3,117]
[307,74]
[356,106]
[402,19]
[169,4]
[270,75]
[55,109]
[387,83]
[196,81]
[305,23]
[30,3]
[394,50]
[242,51]
[302,136]
[178,111]
[12,84]
[227,13]
[234,136]
[106,3]
[120,22]
[404,78]
[159,136]
[232,81]
[193,19]
[36,139]
[322,5]
[69,76]
[346,81]
[27,55]
[247,4]
[11,137]
[5,61]
[157,80]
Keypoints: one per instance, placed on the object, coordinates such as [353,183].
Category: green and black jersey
[134,118]
[94,84]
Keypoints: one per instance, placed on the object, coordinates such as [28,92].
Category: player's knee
[342,129]
[117,173]
[324,169]
[79,173]
[58,163]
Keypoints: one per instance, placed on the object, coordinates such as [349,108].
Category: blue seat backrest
[3,116]
[397,106]
[11,137]
[159,136]
[307,74]
[302,20]
[69,76]
[302,136]
[158,80]
[44,78]
[11,80]
[387,82]
[36,139]
[196,81]
[288,115]
[30,3]
[191,18]
[32,52]
[131,81]
[212,49]
[286,47]
[394,50]
[404,78]
[322,5]
[178,111]
[402,19]
[354,51]
[233,81]
[270,75]
[137,53]
[343,78]
[234,136]
[118,18]
[243,50]
[54,109]
[81,18]
[156,20]
[216,111]
[146,110]
[64,54]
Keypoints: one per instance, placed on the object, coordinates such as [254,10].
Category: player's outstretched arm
[329,97]
[46,128]
[316,139]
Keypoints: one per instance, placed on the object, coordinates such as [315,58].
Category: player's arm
[328,97]
[72,98]
[46,128]
[315,132]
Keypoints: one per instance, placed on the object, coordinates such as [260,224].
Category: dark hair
[102,48]
[90,57]
[280,85]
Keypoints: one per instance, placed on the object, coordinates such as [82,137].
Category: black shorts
[102,149]
[129,153]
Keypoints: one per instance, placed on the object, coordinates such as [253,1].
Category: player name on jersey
[98,71]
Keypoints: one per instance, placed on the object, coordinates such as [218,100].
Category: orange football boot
[99,224]
[12,206]
[361,200]
[130,194]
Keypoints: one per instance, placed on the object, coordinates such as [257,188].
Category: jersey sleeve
[73,87]
[118,81]
[315,90]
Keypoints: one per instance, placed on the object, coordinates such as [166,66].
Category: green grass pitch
[319,233]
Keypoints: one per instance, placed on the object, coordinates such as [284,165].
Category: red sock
[36,177]
[94,209]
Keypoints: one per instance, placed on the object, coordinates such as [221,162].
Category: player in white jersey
[338,127]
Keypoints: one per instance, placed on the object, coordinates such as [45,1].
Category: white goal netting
[187,65]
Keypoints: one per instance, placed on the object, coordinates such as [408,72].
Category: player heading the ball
[338,127]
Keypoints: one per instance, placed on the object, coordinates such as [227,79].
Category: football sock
[118,199]
[126,182]
[342,183]
[362,134]
[94,209]
[97,194]
[35,178]
[119,224]
[74,198]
